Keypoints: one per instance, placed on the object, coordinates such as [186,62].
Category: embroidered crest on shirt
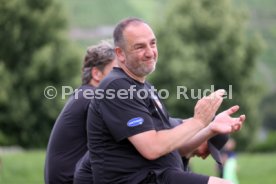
[135,122]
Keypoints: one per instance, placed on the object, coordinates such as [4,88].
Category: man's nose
[149,52]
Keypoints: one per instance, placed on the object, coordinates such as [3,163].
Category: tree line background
[201,43]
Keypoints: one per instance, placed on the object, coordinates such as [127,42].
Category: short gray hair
[97,56]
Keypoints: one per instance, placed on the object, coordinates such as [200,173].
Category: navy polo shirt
[111,120]
[68,139]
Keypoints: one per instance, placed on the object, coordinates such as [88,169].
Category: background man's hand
[202,151]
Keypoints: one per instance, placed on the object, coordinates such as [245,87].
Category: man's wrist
[199,122]
[211,130]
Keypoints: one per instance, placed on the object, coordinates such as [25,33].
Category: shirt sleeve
[124,115]
[175,121]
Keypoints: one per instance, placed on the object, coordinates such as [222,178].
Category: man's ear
[96,74]
[120,54]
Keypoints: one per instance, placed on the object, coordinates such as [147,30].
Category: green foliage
[34,53]
[267,146]
[98,12]
[204,43]
[96,18]
[89,14]
[268,109]
[263,19]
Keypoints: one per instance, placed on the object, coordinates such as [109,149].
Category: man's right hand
[207,107]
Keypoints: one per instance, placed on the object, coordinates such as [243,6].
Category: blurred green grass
[27,168]
[22,167]
[252,168]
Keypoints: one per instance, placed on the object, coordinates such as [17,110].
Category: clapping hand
[225,124]
[207,107]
